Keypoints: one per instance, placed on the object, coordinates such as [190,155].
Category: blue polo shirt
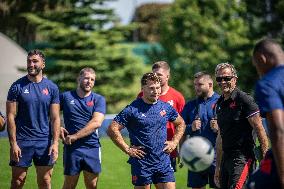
[147,127]
[77,112]
[269,90]
[34,100]
[205,110]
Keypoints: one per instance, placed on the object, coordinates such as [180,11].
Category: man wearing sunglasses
[237,117]
[268,58]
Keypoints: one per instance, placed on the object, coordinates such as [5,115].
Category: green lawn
[115,171]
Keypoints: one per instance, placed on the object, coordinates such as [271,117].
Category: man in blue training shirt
[200,118]
[146,121]
[268,58]
[83,112]
[2,122]
[33,123]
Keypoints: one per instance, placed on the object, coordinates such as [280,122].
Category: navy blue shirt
[34,100]
[269,91]
[205,110]
[147,127]
[77,112]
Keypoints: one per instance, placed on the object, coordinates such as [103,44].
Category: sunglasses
[226,78]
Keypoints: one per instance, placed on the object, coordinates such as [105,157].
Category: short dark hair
[36,52]
[202,74]
[150,77]
[265,45]
[161,64]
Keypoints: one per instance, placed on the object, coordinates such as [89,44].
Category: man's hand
[170,146]
[63,133]
[69,139]
[15,153]
[53,151]
[214,125]
[135,151]
[196,125]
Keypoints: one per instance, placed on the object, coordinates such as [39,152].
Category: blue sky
[125,8]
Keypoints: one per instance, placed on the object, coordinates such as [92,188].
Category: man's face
[87,81]
[151,91]
[201,87]
[226,80]
[35,65]
[163,74]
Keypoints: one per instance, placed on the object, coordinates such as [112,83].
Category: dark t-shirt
[235,130]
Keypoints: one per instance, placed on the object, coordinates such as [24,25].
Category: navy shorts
[198,180]
[36,151]
[266,176]
[83,158]
[145,176]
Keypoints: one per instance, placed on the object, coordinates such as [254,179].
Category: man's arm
[276,124]
[11,109]
[256,123]
[55,124]
[179,131]
[115,135]
[2,123]
[91,126]
[219,154]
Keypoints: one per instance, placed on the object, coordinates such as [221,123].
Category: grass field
[115,171]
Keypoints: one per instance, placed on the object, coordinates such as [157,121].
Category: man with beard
[146,119]
[268,58]
[33,123]
[237,116]
[83,113]
[171,96]
[200,119]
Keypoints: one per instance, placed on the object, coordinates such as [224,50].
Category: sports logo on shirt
[143,115]
[26,91]
[72,102]
[233,105]
[171,102]
[163,113]
[90,103]
[45,91]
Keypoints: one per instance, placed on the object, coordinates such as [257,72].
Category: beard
[34,72]
[83,88]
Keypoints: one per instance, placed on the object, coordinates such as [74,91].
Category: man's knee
[45,181]
[18,182]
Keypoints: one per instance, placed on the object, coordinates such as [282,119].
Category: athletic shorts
[145,176]
[36,151]
[83,158]
[198,180]
[265,177]
[235,170]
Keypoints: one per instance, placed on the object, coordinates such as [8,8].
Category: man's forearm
[56,130]
[117,138]
[219,151]
[263,140]
[179,130]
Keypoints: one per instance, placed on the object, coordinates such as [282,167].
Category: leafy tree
[74,37]
[197,35]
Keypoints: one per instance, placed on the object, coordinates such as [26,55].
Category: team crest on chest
[90,103]
[45,91]
[163,113]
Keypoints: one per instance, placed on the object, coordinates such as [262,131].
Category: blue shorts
[145,176]
[83,158]
[198,180]
[266,176]
[36,151]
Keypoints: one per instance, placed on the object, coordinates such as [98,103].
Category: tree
[75,37]
[197,35]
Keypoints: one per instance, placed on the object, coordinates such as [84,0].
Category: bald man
[268,58]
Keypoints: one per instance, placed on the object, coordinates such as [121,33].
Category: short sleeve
[250,108]
[55,95]
[61,98]
[100,105]
[172,113]
[268,98]
[13,93]
[123,117]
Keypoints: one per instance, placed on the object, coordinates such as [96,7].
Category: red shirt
[176,99]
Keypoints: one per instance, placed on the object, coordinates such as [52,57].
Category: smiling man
[33,123]
[237,116]
[83,113]
[146,119]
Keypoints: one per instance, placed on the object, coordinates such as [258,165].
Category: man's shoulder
[175,92]
[22,80]
[242,96]
[97,95]
[49,83]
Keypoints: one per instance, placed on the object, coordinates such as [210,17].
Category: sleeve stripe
[253,114]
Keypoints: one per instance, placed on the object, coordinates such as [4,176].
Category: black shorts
[235,169]
[266,176]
